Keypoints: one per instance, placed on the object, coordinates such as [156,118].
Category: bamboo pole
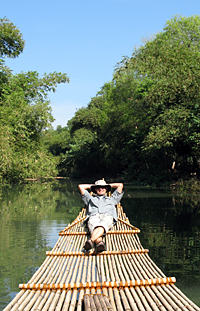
[97,303]
[142,298]
[55,300]
[124,300]
[37,302]
[129,225]
[41,269]
[93,253]
[102,270]
[117,300]
[32,301]
[44,299]
[26,300]
[78,277]
[111,297]
[171,304]
[43,272]
[179,298]
[87,303]
[84,271]
[59,270]
[92,303]
[135,302]
[79,304]
[98,276]
[107,302]
[106,268]
[20,301]
[14,301]
[73,301]
[67,300]
[125,231]
[49,301]
[66,274]
[60,302]
[160,303]
[150,301]
[153,273]
[94,272]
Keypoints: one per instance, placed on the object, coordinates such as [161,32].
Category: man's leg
[96,232]
[98,225]
[97,235]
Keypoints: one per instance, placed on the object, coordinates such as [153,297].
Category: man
[100,210]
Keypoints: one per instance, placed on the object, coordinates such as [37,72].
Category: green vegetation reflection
[27,217]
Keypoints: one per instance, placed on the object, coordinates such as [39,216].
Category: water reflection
[31,216]
[170,229]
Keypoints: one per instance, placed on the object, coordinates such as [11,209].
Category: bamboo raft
[121,278]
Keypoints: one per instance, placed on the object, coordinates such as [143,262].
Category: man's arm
[118,186]
[83,187]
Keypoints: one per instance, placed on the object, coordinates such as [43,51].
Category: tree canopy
[11,40]
[25,112]
[145,122]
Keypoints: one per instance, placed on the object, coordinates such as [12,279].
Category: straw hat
[99,183]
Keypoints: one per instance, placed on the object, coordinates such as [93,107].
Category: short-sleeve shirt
[101,204]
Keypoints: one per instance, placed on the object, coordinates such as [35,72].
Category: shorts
[100,220]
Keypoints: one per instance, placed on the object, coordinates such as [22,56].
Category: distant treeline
[143,125]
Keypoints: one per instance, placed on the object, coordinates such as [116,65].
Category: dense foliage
[25,113]
[145,123]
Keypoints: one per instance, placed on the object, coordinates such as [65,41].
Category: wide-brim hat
[99,183]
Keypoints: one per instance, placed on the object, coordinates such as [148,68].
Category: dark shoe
[100,247]
[88,245]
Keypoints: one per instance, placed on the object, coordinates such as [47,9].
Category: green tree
[25,113]
[11,40]
[154,103]
[148,116]
[172,61]
[57,142]
[84,155]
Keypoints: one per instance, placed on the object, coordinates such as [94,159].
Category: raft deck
[121,278]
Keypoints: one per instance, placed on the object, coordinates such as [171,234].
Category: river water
[32,215]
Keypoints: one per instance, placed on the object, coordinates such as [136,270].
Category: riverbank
[185,187]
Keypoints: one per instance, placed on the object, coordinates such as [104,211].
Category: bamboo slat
[14,301]
[93,253]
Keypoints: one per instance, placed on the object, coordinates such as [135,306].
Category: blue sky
[85,39]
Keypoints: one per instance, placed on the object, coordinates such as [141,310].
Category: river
[32,215]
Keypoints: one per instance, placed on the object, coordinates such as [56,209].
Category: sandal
[88,245]
[100,247]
